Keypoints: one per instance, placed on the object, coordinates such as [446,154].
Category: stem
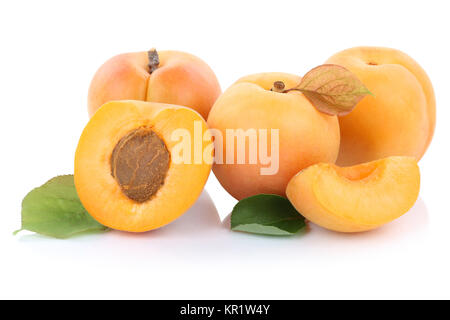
[278,86]
[292,89]
[153,60]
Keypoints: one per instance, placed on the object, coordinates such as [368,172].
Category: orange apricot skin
[398,119]
[357,198]
[306,136]
[181,79]
[100,193]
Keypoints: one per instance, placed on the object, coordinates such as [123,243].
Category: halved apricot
[357,198]
[140,165]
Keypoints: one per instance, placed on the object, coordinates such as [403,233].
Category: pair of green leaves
[267,214]
[55,210]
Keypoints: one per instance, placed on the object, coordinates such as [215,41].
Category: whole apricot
[275,135]
[398,119]
[172,77]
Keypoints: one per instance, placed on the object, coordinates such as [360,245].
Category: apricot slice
[128,172]
[357,198]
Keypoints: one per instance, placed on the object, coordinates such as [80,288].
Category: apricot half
[268,136]
[358,198]
[398,119]
[165,76]
[140,165]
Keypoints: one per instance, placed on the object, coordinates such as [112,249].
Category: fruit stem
[153,60]
[278,86]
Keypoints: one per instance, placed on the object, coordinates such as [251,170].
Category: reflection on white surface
[199,235]
[201,218]
[198,245]
[201,226]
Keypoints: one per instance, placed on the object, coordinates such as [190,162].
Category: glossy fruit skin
[101,194]
[180,79]
[306,136]
[398,119]
[357,198]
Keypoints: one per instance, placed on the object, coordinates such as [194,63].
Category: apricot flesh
[306,136]
[180,78]
[357,198]
[125,170]
[398,119]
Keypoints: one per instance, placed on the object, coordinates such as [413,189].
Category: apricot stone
[173,77]
[126,170]
[398,119]
[358,198]
[305,135]
[139,163]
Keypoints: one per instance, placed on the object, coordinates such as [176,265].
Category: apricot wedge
[357,198]
[133,172]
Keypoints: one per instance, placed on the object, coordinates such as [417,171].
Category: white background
[51,49]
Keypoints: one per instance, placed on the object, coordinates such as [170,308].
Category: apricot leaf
[268,214]
[332,89]
[55,210]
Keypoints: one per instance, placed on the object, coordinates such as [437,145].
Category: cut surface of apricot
[128,171]
[357,198]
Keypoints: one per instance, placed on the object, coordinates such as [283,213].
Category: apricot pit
[139,163]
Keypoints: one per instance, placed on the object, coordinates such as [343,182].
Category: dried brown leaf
[332,89]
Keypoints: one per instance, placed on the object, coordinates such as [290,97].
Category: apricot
[398,119]
[357,198]
[297,135]
[132,170]
[172,77]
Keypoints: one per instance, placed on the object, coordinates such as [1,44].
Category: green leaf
[332,89]
[266,214]
[55,210]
